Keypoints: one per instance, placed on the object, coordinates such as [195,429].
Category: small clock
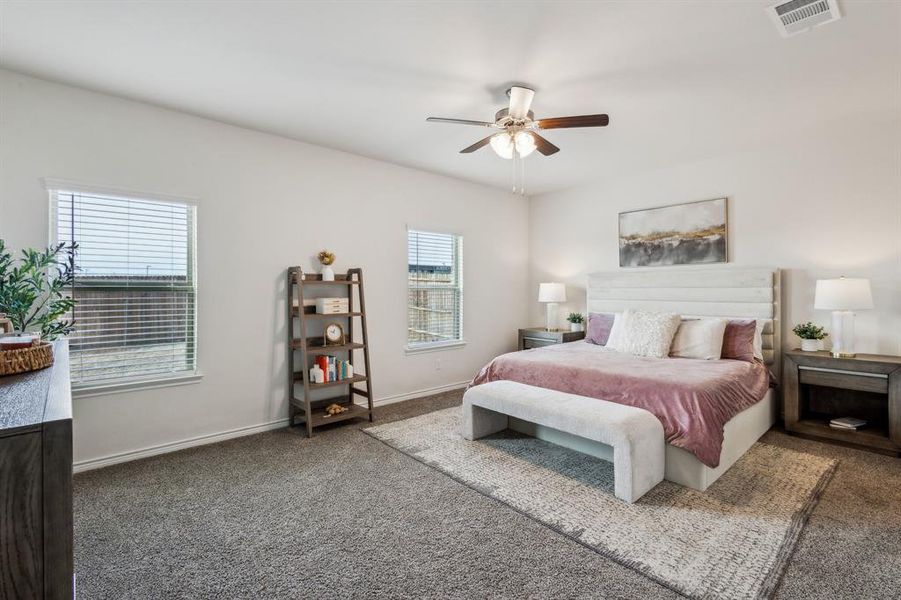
[334,334]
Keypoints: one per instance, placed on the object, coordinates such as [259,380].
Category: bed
[692,292]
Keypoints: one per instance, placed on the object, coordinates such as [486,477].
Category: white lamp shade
[843,294]
[551,292]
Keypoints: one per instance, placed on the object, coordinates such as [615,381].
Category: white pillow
[758,340]
[699,338]
[615,330]
[643,333]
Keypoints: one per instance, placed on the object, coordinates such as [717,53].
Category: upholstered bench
[635,434]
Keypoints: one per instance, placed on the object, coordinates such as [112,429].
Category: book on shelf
[849,423]
[334,368]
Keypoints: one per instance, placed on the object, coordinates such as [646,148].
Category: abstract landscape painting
[684,234]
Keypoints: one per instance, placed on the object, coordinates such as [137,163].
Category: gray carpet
[343,515]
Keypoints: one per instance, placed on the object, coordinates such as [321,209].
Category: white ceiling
[681,81]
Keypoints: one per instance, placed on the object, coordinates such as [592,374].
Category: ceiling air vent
[798,16]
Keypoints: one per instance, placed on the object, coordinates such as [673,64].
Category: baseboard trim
[202,440]
[212,438]
[420,393]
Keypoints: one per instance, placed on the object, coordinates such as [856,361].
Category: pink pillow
[599,326]
[738,340]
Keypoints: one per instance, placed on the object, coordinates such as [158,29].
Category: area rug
[732,541]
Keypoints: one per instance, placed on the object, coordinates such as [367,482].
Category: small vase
[576,327]
[6,325]
[317,375]
[810,345]
[328,274]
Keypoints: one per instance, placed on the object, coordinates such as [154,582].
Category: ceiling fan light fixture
[516,131]
[525,143]
[502,144]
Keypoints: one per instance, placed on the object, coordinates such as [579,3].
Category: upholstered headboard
[746,293]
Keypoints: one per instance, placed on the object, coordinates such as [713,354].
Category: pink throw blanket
[693,399]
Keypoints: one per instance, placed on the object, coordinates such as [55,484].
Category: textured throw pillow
[599,326]
[699,338]
[643,333]
[738,341]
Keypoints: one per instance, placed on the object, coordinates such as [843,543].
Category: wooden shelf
[320,418]
[315,347]
[315,279]
[322,402]
[314,315]
[871,435]
[299,375]
[356,412]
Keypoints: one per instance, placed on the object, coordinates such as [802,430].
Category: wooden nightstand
[535,337]
[818,387]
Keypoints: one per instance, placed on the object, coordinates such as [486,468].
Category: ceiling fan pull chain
[518,173]
[522,177]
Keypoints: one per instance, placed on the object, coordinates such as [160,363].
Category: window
[135,284]
[434,289]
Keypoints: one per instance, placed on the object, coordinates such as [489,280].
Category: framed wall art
[682,234]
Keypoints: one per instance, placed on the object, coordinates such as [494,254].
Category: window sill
[437,347]
[134,385]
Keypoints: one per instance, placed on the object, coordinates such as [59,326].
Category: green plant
[575,318]
[32,292]
[809,331]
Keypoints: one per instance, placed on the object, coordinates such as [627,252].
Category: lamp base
[842,334]
[551,314]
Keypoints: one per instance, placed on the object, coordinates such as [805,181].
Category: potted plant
[34,304]
[32,292]
[811,336]
[576,322]
[326,259]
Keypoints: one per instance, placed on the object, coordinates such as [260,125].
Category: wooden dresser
[36,482]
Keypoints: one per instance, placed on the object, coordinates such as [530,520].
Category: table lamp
[551,294]
[842,296]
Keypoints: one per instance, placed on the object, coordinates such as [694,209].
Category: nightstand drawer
[536,337]
[540,334]
[843,380]
[536,342]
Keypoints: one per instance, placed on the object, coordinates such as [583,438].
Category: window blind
[135,286]
[435,288]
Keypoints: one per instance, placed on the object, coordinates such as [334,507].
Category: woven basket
[26,359]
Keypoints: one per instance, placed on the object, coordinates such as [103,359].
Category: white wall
[265,202]
[817,205]
[822,204]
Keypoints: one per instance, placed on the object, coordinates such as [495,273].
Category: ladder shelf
[303,407]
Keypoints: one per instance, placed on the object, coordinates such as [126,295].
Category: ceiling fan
[519,129]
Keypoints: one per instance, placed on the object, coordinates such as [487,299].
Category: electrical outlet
[437,364]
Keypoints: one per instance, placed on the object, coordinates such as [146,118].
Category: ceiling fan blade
[459,121]
[520,101]
[544,146]
[476,146]
[580,121]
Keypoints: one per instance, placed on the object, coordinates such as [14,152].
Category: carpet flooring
[342,515]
